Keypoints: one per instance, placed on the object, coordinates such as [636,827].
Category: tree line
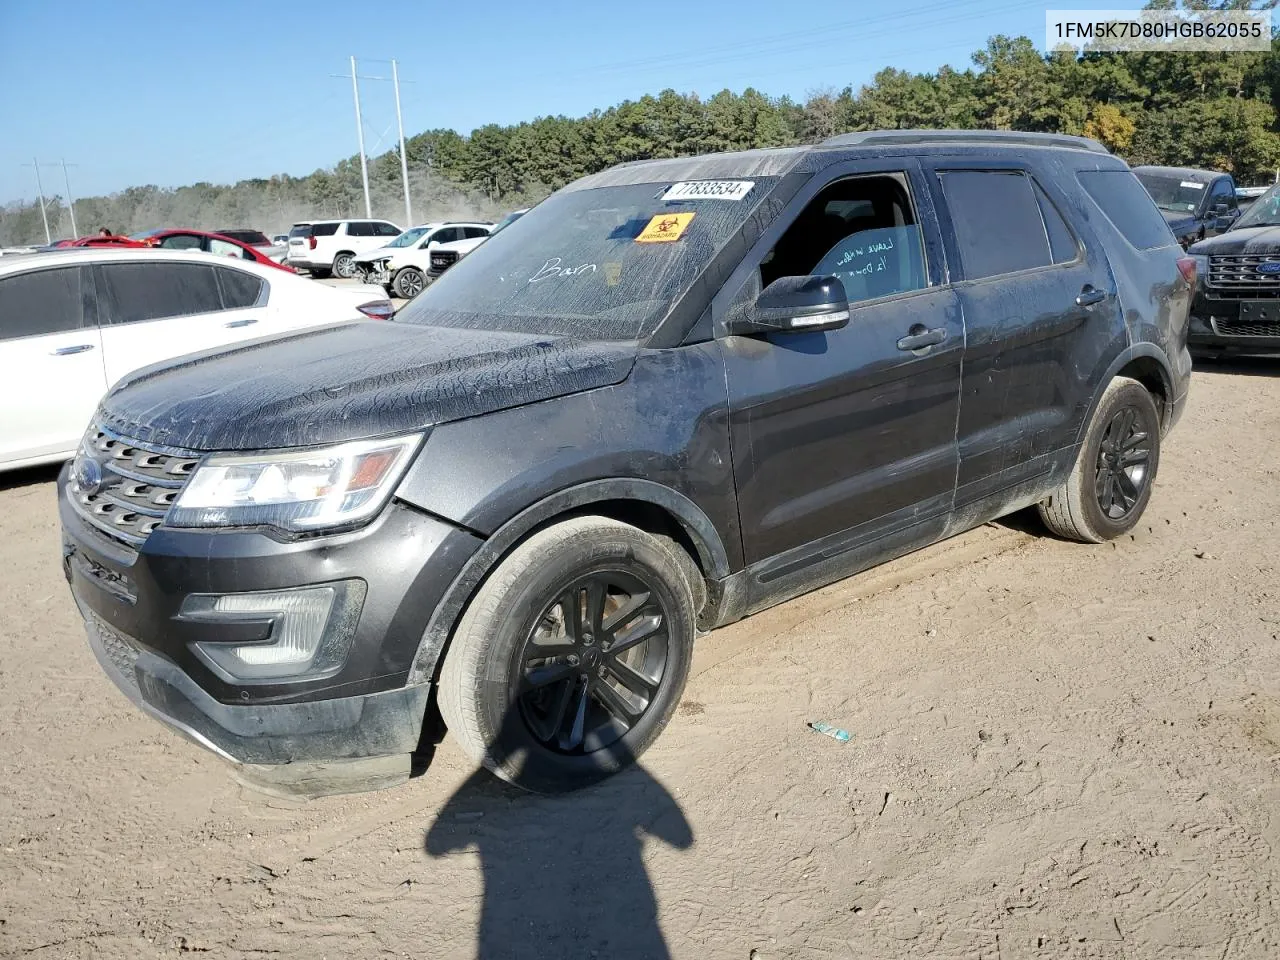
[1213,110]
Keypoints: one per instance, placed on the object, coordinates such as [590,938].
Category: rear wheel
[1110,485]
[409,282]
[572,656]
[344,265]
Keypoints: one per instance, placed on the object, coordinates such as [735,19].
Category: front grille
[443,260]
[139,484]
[1247,328]
[1237,276]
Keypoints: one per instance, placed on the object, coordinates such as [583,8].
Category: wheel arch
[650,506]
[1147,364]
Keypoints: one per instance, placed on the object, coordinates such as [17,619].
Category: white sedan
[74,322]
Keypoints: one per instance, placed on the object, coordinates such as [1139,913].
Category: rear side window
[997,222]
[1062,243]
[1128,206]
[153,291]
[43,301]
[386,230]
[474,232]
[323,229]
[239,289]
[360,228]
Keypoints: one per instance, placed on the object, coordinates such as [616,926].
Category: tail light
[1187,267]
[311,242]
[377,309]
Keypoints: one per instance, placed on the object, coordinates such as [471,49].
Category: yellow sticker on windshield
[665,227]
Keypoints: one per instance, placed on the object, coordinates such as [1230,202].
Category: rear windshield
[601,264]
[300,230]
[251,237]
[1128,207]
[1173,193]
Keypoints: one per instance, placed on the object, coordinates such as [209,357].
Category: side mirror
[1223,223]
[796,305]
[1221,209]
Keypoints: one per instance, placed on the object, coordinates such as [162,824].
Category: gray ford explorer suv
[673,394]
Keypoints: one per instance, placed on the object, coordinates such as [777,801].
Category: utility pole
[404,161]
[364,164]
[71,204]
[48,237]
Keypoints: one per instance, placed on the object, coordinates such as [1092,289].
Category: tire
[1116,467]
[344,265]
[523,688]
[408,283]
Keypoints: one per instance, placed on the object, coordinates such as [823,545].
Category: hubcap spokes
[592,665]
[1123,459]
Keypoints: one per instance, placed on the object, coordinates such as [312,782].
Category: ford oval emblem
[1271,266]
[87,474]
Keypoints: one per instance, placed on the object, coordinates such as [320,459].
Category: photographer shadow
[564,875]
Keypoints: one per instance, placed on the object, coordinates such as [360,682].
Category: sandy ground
[1058,751]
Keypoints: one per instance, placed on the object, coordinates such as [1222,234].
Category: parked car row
[76,321]
[377,251]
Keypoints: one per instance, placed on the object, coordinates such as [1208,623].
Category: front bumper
[131,603]
[1225,324]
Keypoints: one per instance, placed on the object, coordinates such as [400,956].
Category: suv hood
[352,381]
[380,254]
[1240,240]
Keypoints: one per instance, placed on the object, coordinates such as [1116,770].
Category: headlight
[294,490]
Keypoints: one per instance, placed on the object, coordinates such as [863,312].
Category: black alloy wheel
[1123,459]
[593,663]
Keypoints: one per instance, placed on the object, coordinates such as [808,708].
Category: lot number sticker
[665,227]
[1191,184]
[708,190]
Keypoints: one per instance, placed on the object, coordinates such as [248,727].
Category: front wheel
[1110,485]
[344,266]
[572,656]
[408,283]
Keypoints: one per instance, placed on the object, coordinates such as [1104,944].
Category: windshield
[1262,212]
[409,237]
[1172,193]
[600,264]
[300,230]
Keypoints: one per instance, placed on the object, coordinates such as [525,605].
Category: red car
[213,243]
[115,240]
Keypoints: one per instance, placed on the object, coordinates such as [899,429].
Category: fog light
[310,636]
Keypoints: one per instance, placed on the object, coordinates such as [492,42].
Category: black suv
[1237,303]
[673,394]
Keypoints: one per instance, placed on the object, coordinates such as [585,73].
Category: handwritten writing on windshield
[555,268]
[876,250]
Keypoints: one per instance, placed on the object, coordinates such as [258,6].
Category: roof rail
[890,137]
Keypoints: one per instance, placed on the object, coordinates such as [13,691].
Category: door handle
[68,351]
[1090,295]
[921,338]
[240,323]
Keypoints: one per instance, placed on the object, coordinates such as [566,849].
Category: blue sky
[165,92]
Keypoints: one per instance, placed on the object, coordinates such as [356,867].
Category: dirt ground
[1058,751]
